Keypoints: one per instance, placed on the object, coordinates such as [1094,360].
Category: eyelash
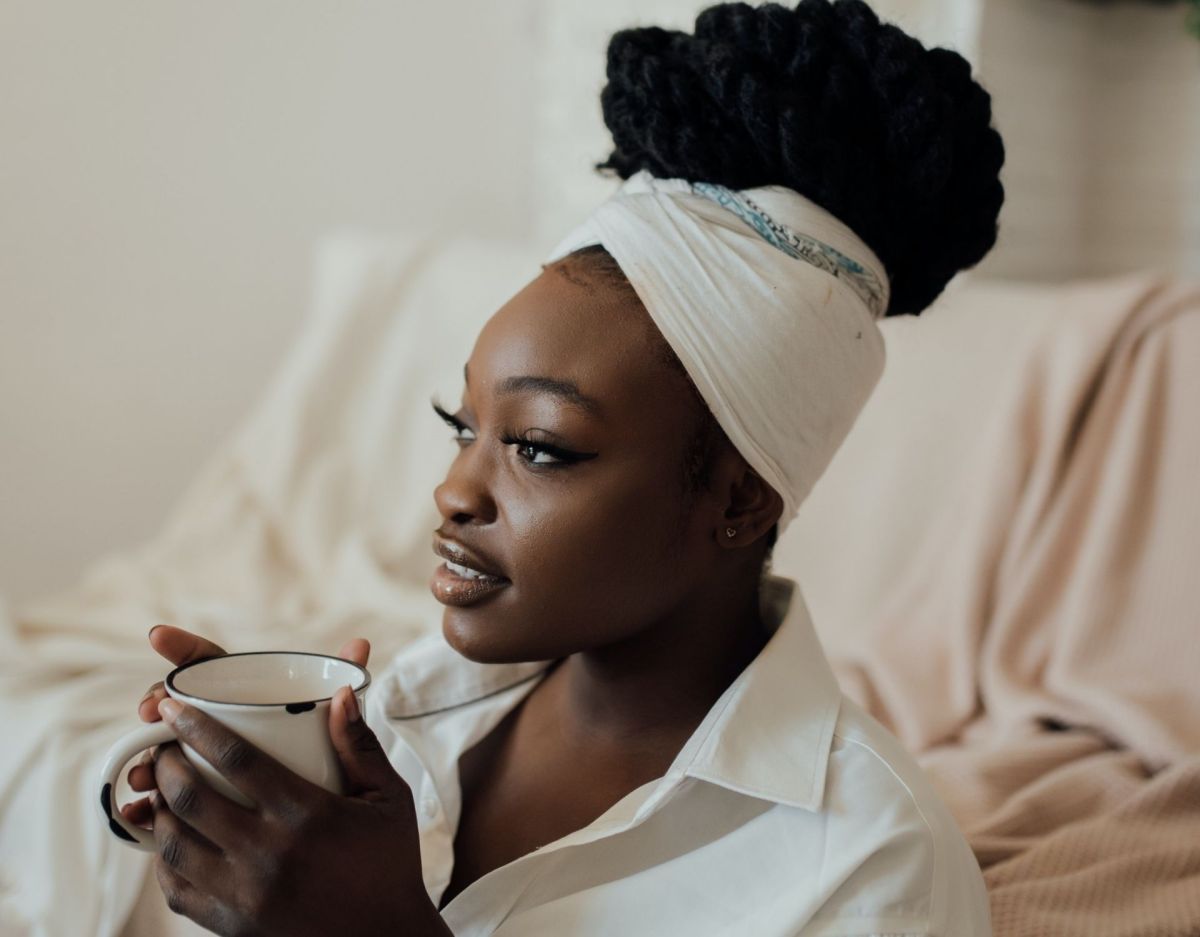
[564,457]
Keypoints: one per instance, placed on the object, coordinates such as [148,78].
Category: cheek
[590,564]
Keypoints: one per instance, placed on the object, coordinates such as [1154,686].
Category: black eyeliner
[564,456]
[449,418]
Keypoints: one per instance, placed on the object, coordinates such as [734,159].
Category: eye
[456,424]
[533,452]
[542,454]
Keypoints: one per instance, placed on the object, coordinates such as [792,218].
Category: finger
[182,647]
[141,778]
[357,650]
[186,852]
[190,901]
[147,709]
[193,800]
[138,812]
[364,762]
[260,777]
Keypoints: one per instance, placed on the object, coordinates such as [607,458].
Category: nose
[465,496]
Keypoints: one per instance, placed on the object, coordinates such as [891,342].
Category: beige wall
[1099,104]
[166,169]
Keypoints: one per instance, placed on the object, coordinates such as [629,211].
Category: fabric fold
[769,301]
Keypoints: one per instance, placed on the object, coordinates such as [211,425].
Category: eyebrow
[566,391]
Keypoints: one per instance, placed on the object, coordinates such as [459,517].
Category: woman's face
[568,482]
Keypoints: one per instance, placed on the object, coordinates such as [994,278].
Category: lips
[466,577]
[461,555]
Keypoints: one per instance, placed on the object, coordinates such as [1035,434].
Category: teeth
[466,572]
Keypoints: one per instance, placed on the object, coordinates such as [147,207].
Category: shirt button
[429,807]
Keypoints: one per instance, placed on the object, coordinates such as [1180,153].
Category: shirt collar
[768,735]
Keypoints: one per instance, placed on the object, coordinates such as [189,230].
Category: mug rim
[169,681]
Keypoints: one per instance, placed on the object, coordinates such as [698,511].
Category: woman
[627,724]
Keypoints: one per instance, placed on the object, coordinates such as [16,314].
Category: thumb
[364,762]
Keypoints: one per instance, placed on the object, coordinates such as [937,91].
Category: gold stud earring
[730,531]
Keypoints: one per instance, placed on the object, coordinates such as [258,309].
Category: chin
[469,633]
[481,638]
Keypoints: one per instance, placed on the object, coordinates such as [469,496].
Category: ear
[750,506]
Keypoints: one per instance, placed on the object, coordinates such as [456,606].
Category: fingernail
[153,798]
[169,708]
[151,631]
[352,712]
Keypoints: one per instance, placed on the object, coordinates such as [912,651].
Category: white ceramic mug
[276,700]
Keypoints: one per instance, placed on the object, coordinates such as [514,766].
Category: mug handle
[118,756]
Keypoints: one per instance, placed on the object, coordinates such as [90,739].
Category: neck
[647,693]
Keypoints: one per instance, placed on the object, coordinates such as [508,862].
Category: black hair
[892,138]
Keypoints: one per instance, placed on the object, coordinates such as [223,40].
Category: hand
[182,647]
[303,860]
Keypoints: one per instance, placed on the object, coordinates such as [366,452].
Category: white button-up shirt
[789,811]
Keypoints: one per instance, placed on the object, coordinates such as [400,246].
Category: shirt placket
[501,889]
[438,778]
[483,905]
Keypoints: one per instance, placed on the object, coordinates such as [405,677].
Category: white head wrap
[769,301]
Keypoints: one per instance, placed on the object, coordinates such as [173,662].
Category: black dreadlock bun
[892,138]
